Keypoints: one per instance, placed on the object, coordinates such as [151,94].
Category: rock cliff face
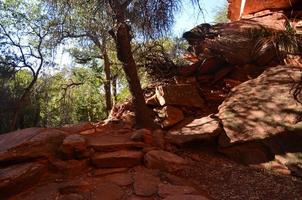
[247,7]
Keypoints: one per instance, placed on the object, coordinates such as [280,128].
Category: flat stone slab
[14,179]
[109,142]
[205,128]
[261,108]
[121,179]
[163,160]
[181,95]
[117,159]
[30,143]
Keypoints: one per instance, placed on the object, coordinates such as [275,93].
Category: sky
[190,16]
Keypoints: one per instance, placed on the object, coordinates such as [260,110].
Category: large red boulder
[253,6]
[14,179]
[30,143]
[261,108]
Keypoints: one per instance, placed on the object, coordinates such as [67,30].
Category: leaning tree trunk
[143,114]
[114,92]
[123,44]
[22,102]
[107,85]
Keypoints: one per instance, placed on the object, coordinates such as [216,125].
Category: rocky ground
[91,162]
[230,127]
[111,161]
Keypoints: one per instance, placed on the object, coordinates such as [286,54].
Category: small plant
[284,42]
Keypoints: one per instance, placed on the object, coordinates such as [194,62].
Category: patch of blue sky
[190,16]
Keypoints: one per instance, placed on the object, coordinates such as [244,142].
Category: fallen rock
[181,95]
[117,159]
[165,190]
[145,183]
[170,115]
[261,108]
[74,146]
[120,179]
[186,197]
[163,160]
[14,179]
[30,143]
[205,128]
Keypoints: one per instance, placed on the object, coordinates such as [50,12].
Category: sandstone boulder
[262,107]
[15,178]
[30,143]
[170,116]
[205,128]
[74,146]
[181,95]
[166,161]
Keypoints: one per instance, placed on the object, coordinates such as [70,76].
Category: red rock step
[109,143]
[117,159]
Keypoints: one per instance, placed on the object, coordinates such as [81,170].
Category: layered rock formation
[242,8]
[240,95]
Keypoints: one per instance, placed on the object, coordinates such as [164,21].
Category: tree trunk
[22,102]
[107,85]
[143,114]
[114,85]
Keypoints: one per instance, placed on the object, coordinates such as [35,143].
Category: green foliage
[221,15]
[71,98]
[65,97]
[160,58]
